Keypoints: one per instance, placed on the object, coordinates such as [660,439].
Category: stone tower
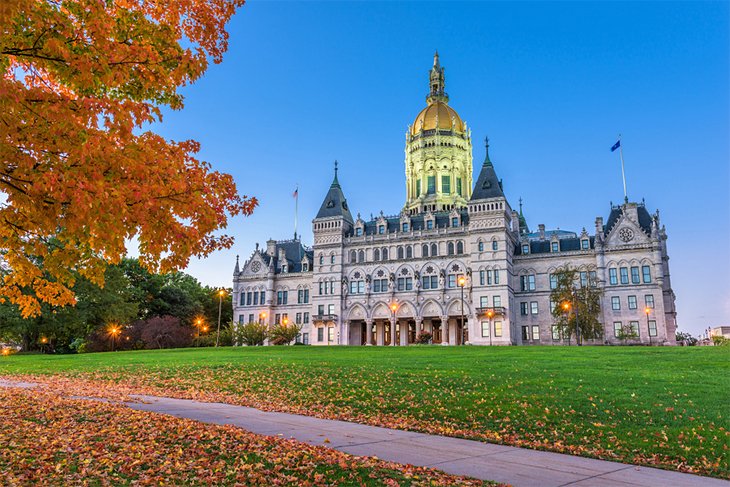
[438,153]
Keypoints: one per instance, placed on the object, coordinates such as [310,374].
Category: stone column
[393,325]
[380,333]
[444,330]
[403,336]
[368,332]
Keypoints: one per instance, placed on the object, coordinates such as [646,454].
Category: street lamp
[647,310]
[221,293]
[114,331]
[394,308]
[490,315]
[574,294]
[566,308]
[462,282]
[262,317]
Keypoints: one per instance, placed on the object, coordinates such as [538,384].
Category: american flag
[296,193]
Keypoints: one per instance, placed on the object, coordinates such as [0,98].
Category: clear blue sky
[551,84]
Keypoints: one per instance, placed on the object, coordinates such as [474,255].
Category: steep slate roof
[294,251]
[617,211]
[334,203]
[442,219]
[543,246]
[487,185]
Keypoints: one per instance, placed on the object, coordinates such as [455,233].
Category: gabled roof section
[335,203]
[487,186]
[616,212]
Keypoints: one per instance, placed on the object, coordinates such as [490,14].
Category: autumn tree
[576,301]
[81,171]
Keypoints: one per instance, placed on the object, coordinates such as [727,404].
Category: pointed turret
[437,82]
[487,186]
[524,229]
[237,269]
[335,203]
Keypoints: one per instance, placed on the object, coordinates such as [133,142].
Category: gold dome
[426,120]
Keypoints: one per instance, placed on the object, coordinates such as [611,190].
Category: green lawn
[663,406]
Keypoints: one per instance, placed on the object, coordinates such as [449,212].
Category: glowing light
[647,310]
[462,281]
[490,313]
[222,293]
[6,351]
[44,340]
[394,307]
[566,306]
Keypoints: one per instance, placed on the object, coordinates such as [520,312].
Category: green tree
[252,334]
[284,334]
[576,307]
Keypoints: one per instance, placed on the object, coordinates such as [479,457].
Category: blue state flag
[616,145]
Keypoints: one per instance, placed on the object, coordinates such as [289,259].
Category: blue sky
[551,84]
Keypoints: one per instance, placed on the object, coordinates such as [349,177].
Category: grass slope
[657,406]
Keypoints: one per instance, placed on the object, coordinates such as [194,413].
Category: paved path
[516,466]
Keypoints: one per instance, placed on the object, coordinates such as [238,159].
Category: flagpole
[623,172]
[296,210]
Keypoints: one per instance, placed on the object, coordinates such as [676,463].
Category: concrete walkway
[516,466]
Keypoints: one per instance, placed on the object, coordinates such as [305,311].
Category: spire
[335,203]
[237,269]
[520,205]
[335,182]
[487,162]
[487,185]
[437,83]
[524,229]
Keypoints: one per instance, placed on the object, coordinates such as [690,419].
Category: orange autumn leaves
[80,171]
[51,440]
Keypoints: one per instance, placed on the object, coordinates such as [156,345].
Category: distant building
[720,331]
[383,280]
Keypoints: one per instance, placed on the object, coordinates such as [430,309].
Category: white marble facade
[380,282]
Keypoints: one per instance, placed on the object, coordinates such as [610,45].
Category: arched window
[384,253]
[409,252]
[450,248]
[400,252]
[424,250]
[495,245]
[332,259]
[353,256]
[361,256]
[376,255]
[321,259]
[480,246]
[434,250]
[460,247]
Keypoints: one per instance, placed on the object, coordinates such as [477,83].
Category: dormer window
[358,232]
[405,227]
[455,221]
[554,247]
[585,244]
[305,266]
[283,268]
[381,229]
[429,225]
[525,249]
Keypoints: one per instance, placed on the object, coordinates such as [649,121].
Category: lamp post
[574,294]
[647,310]
[462,282]
[198,327]
[394,308]
[221,293]
[114,331]
[262,317]
[490,314]
[566,308]
[44,341]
